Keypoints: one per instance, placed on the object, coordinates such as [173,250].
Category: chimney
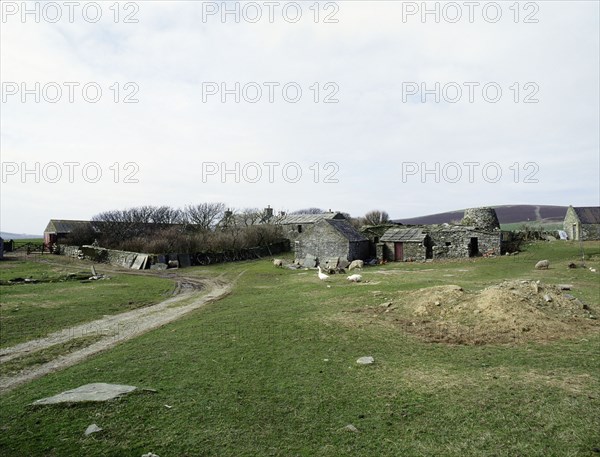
[268,212]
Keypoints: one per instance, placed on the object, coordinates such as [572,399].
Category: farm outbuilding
[478,234]
[331,238]
[582,223]
[59,229]
[402,243]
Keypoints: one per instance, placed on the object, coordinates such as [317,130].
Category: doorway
[474,247]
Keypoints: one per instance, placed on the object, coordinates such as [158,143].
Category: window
[448,243]
[299,229]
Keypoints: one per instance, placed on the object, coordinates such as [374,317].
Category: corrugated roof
[64,225]
[346,229]
[308,218]
[404,234]
[588,214]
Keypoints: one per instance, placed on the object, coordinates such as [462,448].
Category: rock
[92,429]
[542,265]
[565,286]
[437,303]
[367,360]
[159,266]
[173,264]
[536,287]
[278,263]
[356,264]
[386,304]
[351,428]
[354,278]
[150,454]
[89,392]
[547,298]
[572,265]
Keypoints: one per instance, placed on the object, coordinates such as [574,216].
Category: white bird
[322,276]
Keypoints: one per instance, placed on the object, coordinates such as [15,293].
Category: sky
[409,107]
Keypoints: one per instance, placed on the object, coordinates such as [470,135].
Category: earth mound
[512,311]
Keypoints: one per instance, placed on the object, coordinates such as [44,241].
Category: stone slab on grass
[99,391]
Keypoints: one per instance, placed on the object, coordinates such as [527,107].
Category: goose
[322,276]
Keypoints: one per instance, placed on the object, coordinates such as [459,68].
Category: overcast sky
[348,105]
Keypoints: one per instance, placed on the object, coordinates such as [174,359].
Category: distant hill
[507,214]
[18,236]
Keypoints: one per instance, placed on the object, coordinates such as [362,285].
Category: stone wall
[124,259]
[481,218]
[411,250]
[70,251]
[456,243]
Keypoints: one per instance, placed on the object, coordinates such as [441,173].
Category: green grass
[247,376]
[55,302]
[533,225]
[34,359]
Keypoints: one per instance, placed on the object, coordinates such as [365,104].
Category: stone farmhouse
[331,238]
[582,223]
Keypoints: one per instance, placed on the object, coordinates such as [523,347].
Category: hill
[507,214]
[18,236]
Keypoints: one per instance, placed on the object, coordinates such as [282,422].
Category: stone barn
[402,243]
[582,223]
[295,225]
[331,238]
[478,234]
[455,241]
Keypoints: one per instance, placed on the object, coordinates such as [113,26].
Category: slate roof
[588,214]
[413,234]
[346,229]
[64,226]
[308,218]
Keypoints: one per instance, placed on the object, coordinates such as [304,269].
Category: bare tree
[376,217]
[204,215]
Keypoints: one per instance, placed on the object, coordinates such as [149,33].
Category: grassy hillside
[271,370]
[507,214]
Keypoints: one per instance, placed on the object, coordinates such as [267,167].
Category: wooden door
[399,252]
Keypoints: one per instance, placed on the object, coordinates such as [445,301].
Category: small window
[448,243]
[299,229]
[376,239]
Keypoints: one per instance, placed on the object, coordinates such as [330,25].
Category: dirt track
[191,294]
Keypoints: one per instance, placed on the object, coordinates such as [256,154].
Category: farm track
[189,295]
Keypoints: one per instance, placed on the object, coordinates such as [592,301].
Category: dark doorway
[474,247]
[428,247]
[399,252]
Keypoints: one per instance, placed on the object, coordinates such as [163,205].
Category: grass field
[62,297]
[271,370]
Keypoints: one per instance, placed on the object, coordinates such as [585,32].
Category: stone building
[406,243]
[478,234]
[295,225]
[582,223]
[331,238]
